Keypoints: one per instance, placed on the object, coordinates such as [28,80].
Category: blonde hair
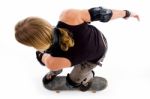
[66,39]
[37,33]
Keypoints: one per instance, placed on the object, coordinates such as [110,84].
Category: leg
[82,76]
[82,71]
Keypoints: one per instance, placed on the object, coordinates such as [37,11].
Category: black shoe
[50,76]
[85,87]
[46,79]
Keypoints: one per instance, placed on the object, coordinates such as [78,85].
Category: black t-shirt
[89,45]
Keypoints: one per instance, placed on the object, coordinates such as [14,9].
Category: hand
[39,56]
[134,15]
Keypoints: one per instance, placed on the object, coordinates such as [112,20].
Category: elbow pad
[100,14]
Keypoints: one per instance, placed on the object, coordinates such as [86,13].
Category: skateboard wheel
[57,91]
[93,91]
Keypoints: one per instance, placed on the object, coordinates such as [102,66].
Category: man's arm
[55,63]
[75,16]
[105,15]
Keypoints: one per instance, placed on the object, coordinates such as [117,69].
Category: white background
[126,66]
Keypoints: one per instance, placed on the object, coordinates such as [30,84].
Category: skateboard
[59,83]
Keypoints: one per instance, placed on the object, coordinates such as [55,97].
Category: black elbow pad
[100,14]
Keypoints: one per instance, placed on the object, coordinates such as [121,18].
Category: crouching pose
[72,42]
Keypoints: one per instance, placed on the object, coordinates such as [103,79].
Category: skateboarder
[72,42]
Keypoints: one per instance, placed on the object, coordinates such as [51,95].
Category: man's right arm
[75,16]
[105,15]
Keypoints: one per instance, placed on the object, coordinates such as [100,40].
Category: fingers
[135,16]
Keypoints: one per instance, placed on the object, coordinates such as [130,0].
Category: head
[34,32]
[38,33]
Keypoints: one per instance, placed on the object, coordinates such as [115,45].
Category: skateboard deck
[59,84]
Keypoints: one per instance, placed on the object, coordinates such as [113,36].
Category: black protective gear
[127,14]
[100,14]
[39,57]
[72,83]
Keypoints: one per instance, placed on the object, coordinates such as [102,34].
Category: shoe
[71,83]
[48,78]
[85,87]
